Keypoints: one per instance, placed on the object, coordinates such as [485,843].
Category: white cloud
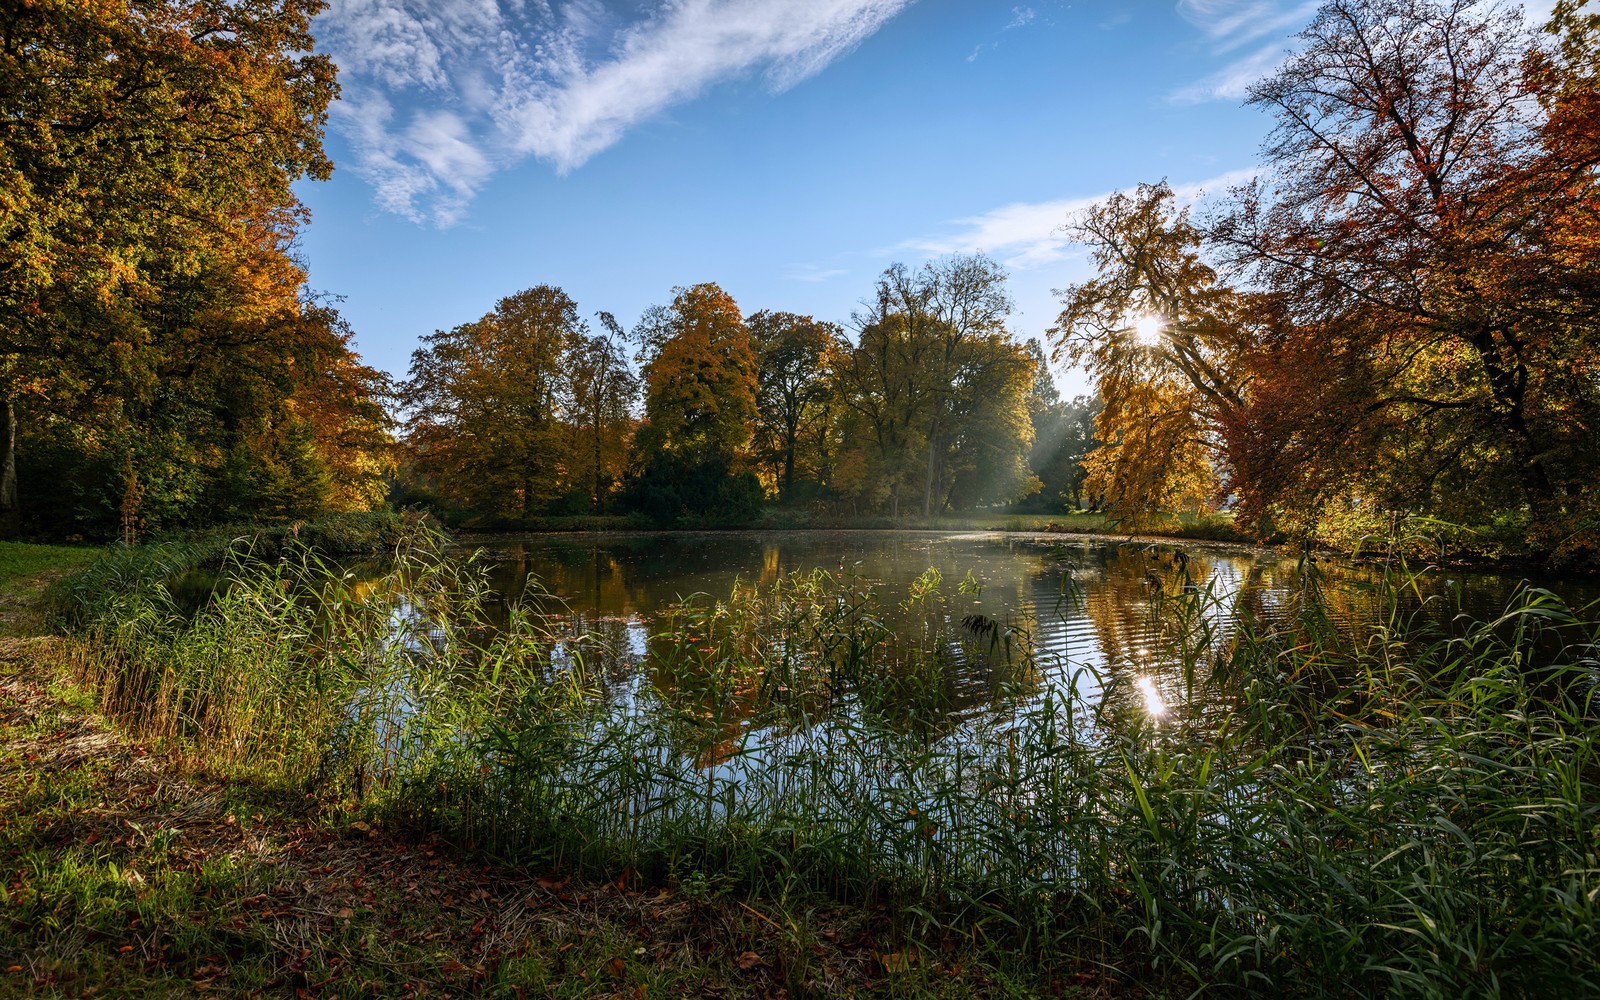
[1019,17]
[1027,235]
[1232,82]
[1230,25]
[813,273]
[439,95]
[675,56]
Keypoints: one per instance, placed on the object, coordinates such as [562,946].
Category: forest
[1396,321]
[931,407]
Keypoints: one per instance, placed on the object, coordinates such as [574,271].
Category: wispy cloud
[440,95]
[1026,235]
[1232,82]
[813,273]
[1232,25]
[1020,16]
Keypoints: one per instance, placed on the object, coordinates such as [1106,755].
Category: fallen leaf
[749,960]
[897,961]
[616,967]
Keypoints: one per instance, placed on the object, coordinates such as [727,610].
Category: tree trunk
[1508,384]
[788,469]
[595,507]
[10,512]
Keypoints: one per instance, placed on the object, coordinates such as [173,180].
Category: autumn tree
[485,398]
[600,390]
[142,145]
[1165,343]
[794,355]
[1438,225]
[699,371]
[942,305]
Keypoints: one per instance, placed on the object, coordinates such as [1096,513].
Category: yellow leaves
[1152,463]
[700,375]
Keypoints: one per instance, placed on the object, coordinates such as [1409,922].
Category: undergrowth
[1406,808]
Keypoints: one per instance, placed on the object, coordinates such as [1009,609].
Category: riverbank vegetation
[1408,807]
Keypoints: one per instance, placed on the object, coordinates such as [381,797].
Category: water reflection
[1019,612]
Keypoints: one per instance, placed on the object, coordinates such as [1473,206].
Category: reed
[1409,808]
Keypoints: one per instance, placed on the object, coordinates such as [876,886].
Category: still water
[1086,608]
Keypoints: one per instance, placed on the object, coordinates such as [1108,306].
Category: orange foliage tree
[1430,232]
[147,153]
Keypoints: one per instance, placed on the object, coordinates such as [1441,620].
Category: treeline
[161,360]
[702,415]
[1399,322]
[164,364]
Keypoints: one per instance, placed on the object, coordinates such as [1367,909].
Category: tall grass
[1408,808]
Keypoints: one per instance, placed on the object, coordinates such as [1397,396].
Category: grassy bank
[1214,527]
[25,573]
[145,854]
[1413,810]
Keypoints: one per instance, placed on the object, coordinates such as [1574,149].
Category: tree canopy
[155,330]
[1400,314]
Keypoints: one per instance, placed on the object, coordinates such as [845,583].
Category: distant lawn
[1211,527]
[1072,521]
[20,560]
[25,571]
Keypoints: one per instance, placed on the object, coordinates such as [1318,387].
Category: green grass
[1214,527]
[1411,808]
[20,559]
[26,573]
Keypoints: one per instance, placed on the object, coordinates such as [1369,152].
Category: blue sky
[788,150]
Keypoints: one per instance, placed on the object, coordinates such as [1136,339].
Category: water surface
[1087,608]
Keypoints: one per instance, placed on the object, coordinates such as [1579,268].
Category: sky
[788,150]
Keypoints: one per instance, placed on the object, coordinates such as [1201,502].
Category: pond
[1084,609]
[1030,727]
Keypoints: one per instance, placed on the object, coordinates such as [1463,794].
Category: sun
[1147,329]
